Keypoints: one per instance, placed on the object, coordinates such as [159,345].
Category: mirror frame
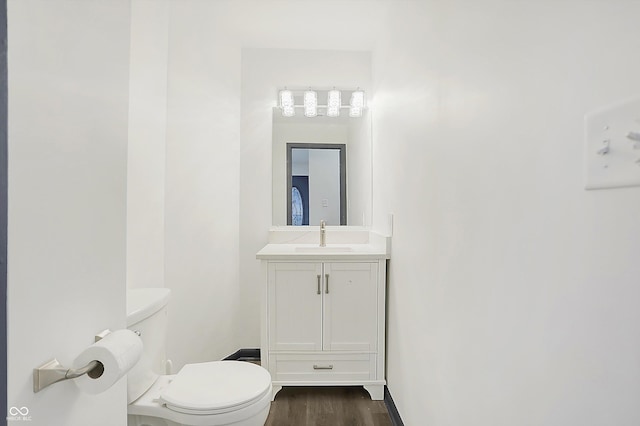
[343,174]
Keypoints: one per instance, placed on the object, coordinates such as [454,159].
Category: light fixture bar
[355,112]
[288,111]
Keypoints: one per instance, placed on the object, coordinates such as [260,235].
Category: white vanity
[323,318]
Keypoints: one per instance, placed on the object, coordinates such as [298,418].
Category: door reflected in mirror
[321,170]
[316,179]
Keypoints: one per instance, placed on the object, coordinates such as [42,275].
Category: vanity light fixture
[311,108]
[333,103]
[356,104]
[286,103]
[310,103]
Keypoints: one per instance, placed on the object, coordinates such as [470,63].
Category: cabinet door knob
[319,291]
[326,278]
[323,367]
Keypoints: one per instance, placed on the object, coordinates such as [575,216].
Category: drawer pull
[323,367]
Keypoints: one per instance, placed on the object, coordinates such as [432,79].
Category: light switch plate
[612,156]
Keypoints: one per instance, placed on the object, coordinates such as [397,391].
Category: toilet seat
[149,407]
[216,387]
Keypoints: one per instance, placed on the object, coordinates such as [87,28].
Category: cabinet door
[295,306]
[350,306]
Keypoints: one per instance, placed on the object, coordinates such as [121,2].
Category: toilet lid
[216,387]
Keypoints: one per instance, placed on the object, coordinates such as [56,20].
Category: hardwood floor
[327,406]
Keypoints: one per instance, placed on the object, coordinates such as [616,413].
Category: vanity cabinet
[323,323]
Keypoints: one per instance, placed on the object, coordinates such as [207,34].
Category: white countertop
[315,252]
[297,246]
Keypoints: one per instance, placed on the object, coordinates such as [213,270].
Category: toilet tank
[147,316]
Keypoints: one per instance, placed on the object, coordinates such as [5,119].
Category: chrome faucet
[323,234]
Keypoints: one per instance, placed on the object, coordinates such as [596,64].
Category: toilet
[213,393]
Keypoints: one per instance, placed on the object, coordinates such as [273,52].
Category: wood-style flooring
[326,406]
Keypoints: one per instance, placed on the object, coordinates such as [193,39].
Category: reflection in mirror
[316,184]
[299,144]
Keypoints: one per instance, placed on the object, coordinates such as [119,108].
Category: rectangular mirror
[316,184]
[321,169]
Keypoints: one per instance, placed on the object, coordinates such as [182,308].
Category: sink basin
[327,249]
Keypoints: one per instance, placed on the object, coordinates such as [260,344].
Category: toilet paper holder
[53,372]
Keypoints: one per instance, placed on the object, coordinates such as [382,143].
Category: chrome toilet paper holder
[53,372]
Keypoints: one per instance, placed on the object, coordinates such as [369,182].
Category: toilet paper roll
[118,352]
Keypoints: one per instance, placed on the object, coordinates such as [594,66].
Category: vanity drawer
[322,367]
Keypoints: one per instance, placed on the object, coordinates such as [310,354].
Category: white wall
[202,183]
[147,143]
[68,104]
[513,295]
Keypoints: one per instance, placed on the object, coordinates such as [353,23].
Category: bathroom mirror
[316,183]
[321,169]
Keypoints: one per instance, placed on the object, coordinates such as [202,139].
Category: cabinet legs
[274,390]
[376,391]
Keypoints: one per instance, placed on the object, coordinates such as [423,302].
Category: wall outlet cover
[612,156]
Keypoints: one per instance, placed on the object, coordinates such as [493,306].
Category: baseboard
[244,355]
[392,409]
[254,355]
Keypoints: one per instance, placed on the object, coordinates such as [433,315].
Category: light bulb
[357,99]
[355,112]
[333,103]
[310,103]
[286,98]
[288,111]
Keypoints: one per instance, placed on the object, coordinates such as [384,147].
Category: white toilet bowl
[217,393]
[208,394]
